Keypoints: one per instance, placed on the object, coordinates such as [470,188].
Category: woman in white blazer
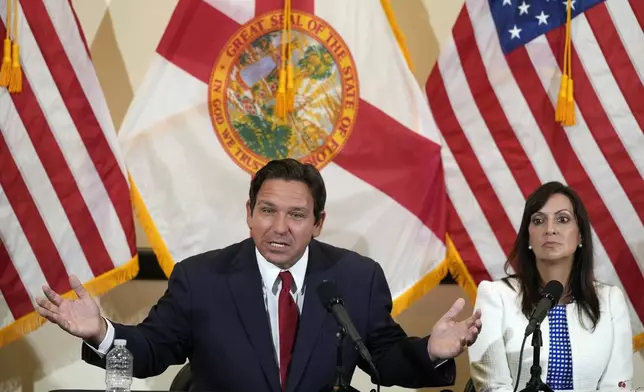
[587,340]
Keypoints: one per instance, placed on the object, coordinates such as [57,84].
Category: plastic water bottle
[119,367]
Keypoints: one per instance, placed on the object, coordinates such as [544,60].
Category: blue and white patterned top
[560,355]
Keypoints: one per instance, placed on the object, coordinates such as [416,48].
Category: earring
[529,246]
[580,245]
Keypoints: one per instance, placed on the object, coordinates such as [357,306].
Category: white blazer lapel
[545,349]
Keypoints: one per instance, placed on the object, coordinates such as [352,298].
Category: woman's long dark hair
[582,278]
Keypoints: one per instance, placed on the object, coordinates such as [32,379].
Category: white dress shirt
[602,358]
[271,288]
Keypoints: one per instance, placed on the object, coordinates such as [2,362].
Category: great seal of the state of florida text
[244,82]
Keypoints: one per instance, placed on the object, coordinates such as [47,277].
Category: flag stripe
[588,59]
[619,62]
[461,94]
[467,162]
[68,165]
[638,10]
[63,182]
[630,133]
[623,17]
[63,147]
[393,159]
[63,18]
[30,219]
[509,95]
[6,317]
[463,243]
[491,109]
[474,99]
[471,213]
[11,287]
[476,229]
[85,121]
[77,23]
[574,173]
[26,265]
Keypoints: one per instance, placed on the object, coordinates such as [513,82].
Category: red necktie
[288,317]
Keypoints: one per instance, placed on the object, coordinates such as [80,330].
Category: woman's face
[554,233]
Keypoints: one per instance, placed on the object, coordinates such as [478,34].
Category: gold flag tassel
[15,79]
[570,102]
[5,69]
[565,111]
[290,88]
[280,98]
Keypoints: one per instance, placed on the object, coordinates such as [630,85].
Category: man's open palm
[449,338]
[80,317]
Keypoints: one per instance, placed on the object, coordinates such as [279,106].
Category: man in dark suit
[247,316]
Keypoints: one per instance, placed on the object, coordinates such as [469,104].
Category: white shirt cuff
[107,341]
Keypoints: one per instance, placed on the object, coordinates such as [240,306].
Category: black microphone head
[553,291]
[328,293]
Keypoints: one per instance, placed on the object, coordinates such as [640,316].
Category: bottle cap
[120,342]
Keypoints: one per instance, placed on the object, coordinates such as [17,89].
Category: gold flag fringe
[152,234]
[400,37]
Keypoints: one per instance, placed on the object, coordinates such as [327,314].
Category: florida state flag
[234,84]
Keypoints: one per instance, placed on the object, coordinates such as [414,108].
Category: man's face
[282,223]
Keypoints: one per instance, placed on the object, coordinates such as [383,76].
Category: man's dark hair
[291,170]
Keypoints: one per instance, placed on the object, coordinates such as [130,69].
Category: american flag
[493,96]
[64,195]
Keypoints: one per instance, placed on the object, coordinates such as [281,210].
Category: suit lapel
[245,283]
[313,315]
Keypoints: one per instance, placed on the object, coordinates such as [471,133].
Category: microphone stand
[535,384]
[340,384]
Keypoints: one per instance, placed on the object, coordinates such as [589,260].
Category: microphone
[549,297]
[331,300]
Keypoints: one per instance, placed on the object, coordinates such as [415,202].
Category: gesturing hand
[449,338]
[80,317]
